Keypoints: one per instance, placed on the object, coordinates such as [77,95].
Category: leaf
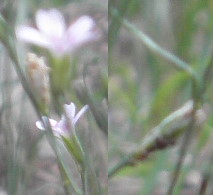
[167,94]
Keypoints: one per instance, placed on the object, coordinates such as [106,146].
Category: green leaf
[167,94]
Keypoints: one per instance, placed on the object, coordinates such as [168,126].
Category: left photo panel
[53,97]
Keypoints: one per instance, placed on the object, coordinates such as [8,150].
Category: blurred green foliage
[144,88]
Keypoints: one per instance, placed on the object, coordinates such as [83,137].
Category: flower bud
[38,74]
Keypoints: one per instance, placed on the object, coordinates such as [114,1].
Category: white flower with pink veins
[53,34]
[67,122]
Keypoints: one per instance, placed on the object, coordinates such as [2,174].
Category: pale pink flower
[67,122]
[53,34]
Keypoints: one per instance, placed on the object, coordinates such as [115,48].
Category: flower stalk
[162,136]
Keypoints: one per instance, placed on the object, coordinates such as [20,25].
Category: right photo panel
[160,97]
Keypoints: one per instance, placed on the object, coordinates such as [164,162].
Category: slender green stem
[84,180]
[186,141]
[183,150]
[64,171]
[206,177]
[207,76]
[154,47]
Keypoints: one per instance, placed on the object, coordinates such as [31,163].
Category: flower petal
[53,123]
[70,110]
[81,32]
[33,36]
[39,124]
[62,124]
[51,23]
[80,113]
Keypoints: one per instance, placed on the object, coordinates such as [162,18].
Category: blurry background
[27,162]
[144,88]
